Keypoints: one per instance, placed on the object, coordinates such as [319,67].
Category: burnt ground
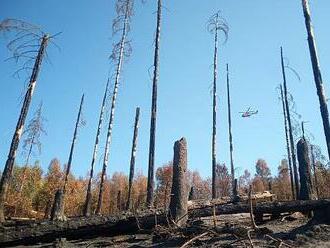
[231,231]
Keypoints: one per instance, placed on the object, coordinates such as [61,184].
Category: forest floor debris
[230,231]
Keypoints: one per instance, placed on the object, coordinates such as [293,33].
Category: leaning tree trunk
[317,73]
[232,169]
[133,155]
[73,144]
[112,111]
[59,200]
[151,164]
[8,169]
[214,116]
[88,201]
[292,146]
[287,142]
[316,184]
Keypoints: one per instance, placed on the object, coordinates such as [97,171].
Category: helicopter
[248,113]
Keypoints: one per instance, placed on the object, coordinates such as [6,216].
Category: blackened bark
[8,169]
[58,206]
[151,164]
[179,192]
[287,142]
[191,194]
[292,146]
[119,200]
[88,201]
[59,200]
[68,168]
[214,113]
[316,184]
[133,155]
[232,168]
[317,73]
[304,170]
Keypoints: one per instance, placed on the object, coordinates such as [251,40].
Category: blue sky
[257,30]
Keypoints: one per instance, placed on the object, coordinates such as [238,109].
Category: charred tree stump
[179,194]
[304,170]
[58,207]
[191,194]
[119,200]
[236,197]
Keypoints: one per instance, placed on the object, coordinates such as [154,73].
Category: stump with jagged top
[179,192]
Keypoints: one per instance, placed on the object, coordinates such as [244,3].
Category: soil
[234,230]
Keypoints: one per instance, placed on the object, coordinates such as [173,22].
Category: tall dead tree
[88,201]
[133,155]
[287,142]
[74,139]
[288,116]
[122,49]
[232,168]
[8,168]
[153,118]
[59,201]
[216,24]
[317,73]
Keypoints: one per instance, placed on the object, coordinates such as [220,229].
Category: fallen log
[262,208]
[34,232]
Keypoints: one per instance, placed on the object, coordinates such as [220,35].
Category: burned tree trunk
[120,58]
[304,170]
[214,115]
[7,173]
[119,200]
[287,108]
[59,201]
[88,201]
[317,73]
[151,164]
[232,169]
[179,193]
[316,184]
[68,168]
[236,197]
[58,206]
[287,142]
[133,154]
[216,24]
[191,194]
